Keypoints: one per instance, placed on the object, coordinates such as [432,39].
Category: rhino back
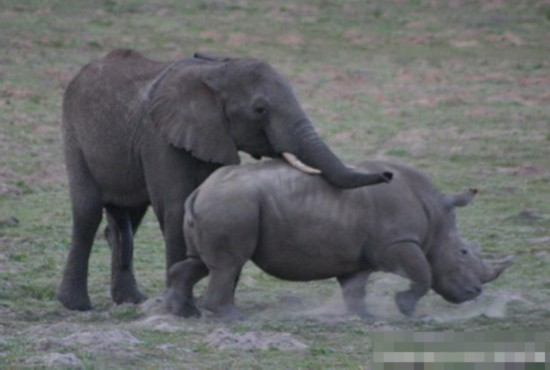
[305,228]
[310,230]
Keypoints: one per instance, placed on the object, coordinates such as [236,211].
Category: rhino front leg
[407,259]
[354,291]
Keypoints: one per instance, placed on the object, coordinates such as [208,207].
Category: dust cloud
[381,305]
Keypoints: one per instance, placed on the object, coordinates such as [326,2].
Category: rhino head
[458,271]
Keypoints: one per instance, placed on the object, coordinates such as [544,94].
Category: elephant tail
[120,235]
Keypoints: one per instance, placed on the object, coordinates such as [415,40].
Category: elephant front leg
[122,223]
[170,213]
[182,277]
[354,291]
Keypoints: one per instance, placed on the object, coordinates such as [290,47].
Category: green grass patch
[459,89]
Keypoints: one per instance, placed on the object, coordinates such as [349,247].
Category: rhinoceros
[297,227]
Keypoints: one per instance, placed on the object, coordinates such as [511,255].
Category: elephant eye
[261,111]
[260,106]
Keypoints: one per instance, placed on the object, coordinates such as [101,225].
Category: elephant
[297,227]
[140,132]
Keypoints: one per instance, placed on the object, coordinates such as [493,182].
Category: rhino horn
[460,200]
[495,268]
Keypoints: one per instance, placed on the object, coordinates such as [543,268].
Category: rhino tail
[190,215]
[190,222]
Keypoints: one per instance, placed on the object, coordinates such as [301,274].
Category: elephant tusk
[298,164]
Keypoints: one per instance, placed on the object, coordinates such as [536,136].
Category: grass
[459,89]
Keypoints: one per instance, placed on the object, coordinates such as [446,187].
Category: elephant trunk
[311,150]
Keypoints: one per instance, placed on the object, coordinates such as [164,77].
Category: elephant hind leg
[182,277]
[354,291]
[121,221]
[73,290]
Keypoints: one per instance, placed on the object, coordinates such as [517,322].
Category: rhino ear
[460,200]
[189,114]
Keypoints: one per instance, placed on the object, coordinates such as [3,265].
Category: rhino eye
[464,252]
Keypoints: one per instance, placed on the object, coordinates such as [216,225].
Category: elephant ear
[190,115]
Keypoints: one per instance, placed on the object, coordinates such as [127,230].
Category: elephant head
[214,107]
[457,268]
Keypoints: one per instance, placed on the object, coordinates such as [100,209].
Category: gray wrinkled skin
[139,132]
[297,227]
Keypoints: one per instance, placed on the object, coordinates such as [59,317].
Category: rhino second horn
[298,164]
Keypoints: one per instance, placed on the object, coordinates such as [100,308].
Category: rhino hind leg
[182,277]
[354,291]
[219,297]
[224,247]
[407,260]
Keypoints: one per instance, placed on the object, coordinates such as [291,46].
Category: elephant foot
[190,310]
[179,305]
[125,290]
[406,302]
[73,296]
[133,296]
